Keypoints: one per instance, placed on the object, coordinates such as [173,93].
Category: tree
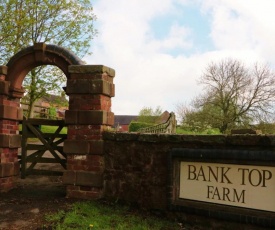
[40,82]
[149,115]
[52,112]
[193,119]
[235,95]
[67,23]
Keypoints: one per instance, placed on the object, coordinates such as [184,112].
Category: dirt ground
[24,207]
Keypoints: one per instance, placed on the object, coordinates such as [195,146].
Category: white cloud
[147,73]
[243,25]
[177,38]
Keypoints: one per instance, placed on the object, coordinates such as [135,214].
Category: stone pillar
[10,140]
[90,88]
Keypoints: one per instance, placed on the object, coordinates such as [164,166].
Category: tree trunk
[223,128]
[31,110]
[32,97]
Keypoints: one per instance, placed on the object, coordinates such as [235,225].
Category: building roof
[124,119]
[55,99]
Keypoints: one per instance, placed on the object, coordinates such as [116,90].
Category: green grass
[52,129]
[95,216]
[48,129]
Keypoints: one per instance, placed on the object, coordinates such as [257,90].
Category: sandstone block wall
[137,167]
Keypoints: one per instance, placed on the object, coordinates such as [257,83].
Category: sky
[160,49]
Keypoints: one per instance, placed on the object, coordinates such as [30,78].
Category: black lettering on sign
[238,197]
[224,176]
[267,175]
[208,173]
[212,174]
[255,177]
[191,172]
[201,174]
[225,194]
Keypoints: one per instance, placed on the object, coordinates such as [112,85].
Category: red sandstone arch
[89,87]
[38,54]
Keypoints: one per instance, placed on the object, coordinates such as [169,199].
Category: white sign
[229,184]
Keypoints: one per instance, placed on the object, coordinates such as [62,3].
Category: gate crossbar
[51,142]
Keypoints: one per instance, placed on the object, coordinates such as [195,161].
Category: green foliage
[135,125]
[149,111]
[202,119]
[49,129]
[55,217]
[52,129]
[60,22]
[37,86]
[93,215]
[149,115]
[52,113]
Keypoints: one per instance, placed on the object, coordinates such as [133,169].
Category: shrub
[135,126]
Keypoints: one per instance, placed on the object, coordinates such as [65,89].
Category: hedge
[135,126]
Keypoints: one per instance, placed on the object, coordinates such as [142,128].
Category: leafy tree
[40,82]
[134,126]
[52,112]
[193,119]
[149,115]
[67,23]
[234,96]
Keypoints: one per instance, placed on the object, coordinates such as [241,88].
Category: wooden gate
[39,147]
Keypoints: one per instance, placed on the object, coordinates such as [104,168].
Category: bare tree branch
[235,94]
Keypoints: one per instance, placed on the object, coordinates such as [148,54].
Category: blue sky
[159,49]
[189,17]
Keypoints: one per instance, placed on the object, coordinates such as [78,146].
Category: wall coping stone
[240,140]
[91,69]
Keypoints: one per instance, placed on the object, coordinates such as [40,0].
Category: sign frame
[219,156]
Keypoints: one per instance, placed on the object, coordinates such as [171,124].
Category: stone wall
[137,165]
[90,89]
[10,140]
[136,168]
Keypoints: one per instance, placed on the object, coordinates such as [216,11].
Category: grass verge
[95,215]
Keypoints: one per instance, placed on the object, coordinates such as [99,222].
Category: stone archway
[89,87]
[39,54]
